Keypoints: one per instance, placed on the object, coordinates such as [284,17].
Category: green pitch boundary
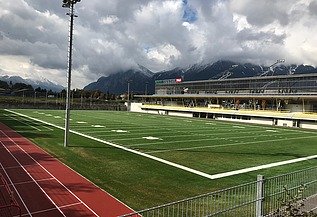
[212,177]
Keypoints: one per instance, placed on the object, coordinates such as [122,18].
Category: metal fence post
[259,196]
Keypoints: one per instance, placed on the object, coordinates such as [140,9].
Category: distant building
[293,98]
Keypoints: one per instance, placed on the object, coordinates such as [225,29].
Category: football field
[205,150]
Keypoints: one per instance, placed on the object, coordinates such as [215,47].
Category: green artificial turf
[201,144]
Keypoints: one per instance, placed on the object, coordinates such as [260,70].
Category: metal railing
[304,180]
[255,199]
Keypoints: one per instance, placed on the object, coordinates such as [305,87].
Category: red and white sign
[178,80]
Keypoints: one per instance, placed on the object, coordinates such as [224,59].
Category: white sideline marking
[208,176]
[58,127]
[124,148]
[240,127]
[57,117]
[265,166]
[274,131]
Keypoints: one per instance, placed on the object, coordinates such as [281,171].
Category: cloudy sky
[112,35]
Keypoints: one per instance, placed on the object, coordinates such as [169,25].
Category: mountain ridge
[142,81]
[44,84]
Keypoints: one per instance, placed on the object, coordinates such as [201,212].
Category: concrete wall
[181,114]
[308,125]
[135,107]
[163,112]
[285,123]
[264,121]
[150,111]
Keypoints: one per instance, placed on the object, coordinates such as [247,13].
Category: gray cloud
[313,8]
[246,35]
[116,35]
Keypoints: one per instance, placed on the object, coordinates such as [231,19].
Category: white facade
[277,119]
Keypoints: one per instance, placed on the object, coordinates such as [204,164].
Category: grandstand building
[288,100]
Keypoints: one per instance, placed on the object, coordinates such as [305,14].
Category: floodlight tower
[69,4]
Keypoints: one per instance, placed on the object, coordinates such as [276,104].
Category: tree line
[26,90]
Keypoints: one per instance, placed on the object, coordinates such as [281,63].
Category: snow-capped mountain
[141,79]
[44,83]
[138,79]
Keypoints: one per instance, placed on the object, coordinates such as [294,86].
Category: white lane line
[42,211]
[28,182]
[69,205]
[51,209]
[16,190]
[62,128]
[27,171]
[17,167]
[215,176]
[50,175]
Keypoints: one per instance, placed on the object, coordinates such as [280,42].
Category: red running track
[43,186]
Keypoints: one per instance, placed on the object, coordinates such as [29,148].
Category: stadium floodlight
[69,4]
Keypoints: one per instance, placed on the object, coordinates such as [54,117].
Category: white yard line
[172,135]
[216,176]
[230,144]
[216,137]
